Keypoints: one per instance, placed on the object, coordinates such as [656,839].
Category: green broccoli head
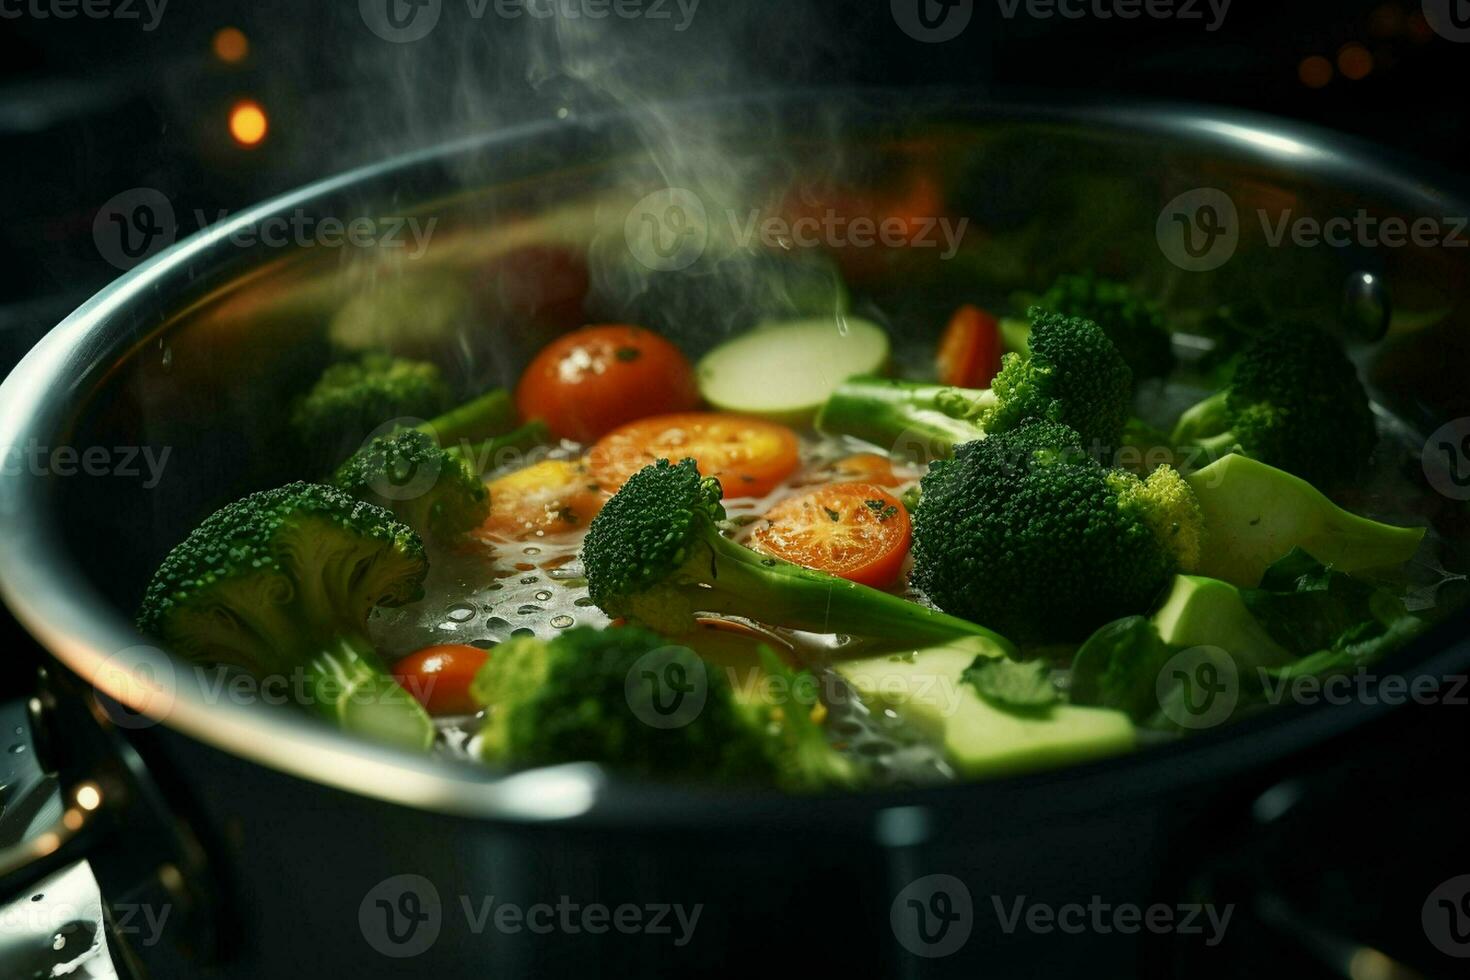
[643,548]
[1294,402]
[628,699]
[1074,376]
[283,581]
[433,491]
[1134,324]
[1026,532]
[277,576]
[654,554]
[353,398]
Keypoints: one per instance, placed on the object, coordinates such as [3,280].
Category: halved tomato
[749,456]
[439,677]
[969,351]
[858,531]
[547,498]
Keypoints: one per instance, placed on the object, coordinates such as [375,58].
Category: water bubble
[531,550]
[543,596]
[530,580]
[529,610]
[461,612]
[583,601]
[17,748]
[562,622]
[523,631]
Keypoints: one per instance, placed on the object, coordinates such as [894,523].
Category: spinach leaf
[1012,686]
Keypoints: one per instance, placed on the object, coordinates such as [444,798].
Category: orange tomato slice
[552,497]
[749,456]
[857,531]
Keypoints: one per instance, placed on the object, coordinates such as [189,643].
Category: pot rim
[50,596]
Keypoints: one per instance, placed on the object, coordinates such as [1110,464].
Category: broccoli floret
[604,696]
[353,398]
[1134,324]
[1294,402]
[655,555]
[1074,375]
[284,580]
[437,492]
[1027,533]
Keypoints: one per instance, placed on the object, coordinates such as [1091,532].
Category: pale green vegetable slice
[785,371]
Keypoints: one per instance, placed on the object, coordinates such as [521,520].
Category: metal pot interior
[200,352]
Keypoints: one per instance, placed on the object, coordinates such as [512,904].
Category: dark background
[93,107]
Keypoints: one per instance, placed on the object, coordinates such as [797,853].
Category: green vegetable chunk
[981,738]
[1294,402]
[628,699]
[1015,686]
[284,580]
[1074,375]
[1134,324]
[353,398]
[655,555]
[437,492]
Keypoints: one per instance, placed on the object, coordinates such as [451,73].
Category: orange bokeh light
[248,122]
[1354,61]
[1315,72]
[230,45]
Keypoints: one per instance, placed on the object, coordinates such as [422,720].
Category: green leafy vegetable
[1015,686]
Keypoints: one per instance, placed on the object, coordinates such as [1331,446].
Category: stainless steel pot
[199,349]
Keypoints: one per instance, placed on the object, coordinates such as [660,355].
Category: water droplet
[168,355]
[19,730]
[532,550]
[543,596]
[38,896]
[494,586]
[562,622]
[58,941]
[583,601]
[530,580]
[529,610]
[461,612]
[497,622]
[523,631]
[17,749]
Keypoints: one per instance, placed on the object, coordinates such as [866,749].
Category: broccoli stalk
[283,581]
[1294,402]
[437,492]
[1254,514]
[1074,375]
[490,414]
[1025,532]
[655,554]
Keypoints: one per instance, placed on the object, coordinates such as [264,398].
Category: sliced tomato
[594,379]
[969,351]
[439,677]
[552,497]
[749,456]
[858,531]
[857,468]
